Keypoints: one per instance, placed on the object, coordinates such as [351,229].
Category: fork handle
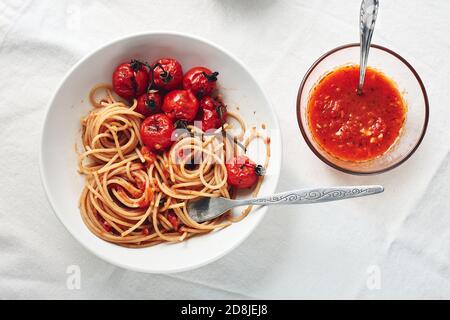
[314,195]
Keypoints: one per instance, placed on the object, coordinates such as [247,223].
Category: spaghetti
[134,198]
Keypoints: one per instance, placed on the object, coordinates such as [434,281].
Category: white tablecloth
[394,246]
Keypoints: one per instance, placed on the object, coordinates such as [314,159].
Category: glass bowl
[410,86]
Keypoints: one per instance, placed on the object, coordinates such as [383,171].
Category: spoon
[368,16]
[206,209]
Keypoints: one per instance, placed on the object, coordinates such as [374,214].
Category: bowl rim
[261,211]
[303,130]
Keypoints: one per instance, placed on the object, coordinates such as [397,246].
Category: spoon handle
[314,195]
[368,16]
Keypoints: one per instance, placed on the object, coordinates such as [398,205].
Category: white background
[321,251]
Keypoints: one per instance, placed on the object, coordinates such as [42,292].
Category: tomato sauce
[356,127]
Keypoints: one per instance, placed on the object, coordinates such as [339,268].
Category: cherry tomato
[180,105]
[243,172]
[200,80]
[167,74]
[213,113]
[149,103]
[130,80]
[156,132]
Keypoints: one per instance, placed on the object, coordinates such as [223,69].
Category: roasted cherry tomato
[156,132]
[149,103]
[180,105]
[167,74]
[243,172]
[130,80]
[201,81]
[213,113]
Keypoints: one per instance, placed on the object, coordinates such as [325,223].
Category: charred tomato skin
[167,74]
[149,103]
[156,132]
[180,105]
[130,80]
[200,80]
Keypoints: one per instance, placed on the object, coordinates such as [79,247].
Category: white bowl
[63,184]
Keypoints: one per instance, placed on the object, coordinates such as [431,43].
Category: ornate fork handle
[305,196]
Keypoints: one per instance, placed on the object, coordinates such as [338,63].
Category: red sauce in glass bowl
[355,127]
